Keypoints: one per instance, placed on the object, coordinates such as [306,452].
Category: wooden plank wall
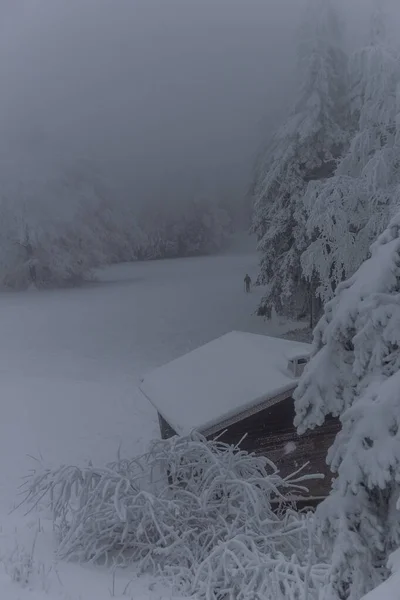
[270,432]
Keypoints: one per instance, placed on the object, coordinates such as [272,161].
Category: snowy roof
[234,374]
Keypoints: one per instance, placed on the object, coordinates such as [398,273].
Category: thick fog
[169,95]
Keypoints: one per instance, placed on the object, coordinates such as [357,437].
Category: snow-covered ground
[70,362]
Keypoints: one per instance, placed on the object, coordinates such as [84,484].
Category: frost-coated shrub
[22,566]
[195,511]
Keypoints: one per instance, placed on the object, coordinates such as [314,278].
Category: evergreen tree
[304,149]
[345,214]
[355,375]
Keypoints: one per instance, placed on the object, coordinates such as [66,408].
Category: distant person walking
[247,283]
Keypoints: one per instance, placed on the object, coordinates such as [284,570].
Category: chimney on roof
[296,365]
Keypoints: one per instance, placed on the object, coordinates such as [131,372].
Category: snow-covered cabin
[242,383]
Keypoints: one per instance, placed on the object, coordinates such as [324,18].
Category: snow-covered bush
[22,566]
[355,375]
[214,520]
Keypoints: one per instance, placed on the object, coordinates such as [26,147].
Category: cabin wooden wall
[271,433]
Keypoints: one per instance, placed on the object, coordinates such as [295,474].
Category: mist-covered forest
[120,151]
[190,170]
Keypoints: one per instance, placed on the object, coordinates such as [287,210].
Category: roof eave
[207,431]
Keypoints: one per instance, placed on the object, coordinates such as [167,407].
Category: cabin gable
[165,428]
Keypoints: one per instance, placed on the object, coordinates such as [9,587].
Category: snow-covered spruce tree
[355,375]
[304,149]
[344,214]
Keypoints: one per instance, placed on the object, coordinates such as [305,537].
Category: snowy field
[70,362]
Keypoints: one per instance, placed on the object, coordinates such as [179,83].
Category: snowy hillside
[70,362]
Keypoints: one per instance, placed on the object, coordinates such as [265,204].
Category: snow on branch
[214,520]
[355,375]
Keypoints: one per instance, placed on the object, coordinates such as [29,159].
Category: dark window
[302,361]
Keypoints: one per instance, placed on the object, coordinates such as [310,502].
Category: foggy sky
[168,94]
